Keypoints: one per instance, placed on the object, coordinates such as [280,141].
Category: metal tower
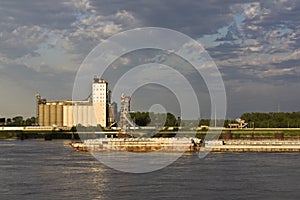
[125,120]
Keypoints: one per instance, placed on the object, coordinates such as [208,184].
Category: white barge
[139,144]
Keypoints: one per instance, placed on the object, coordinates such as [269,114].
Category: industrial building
[101,100]
[97,110]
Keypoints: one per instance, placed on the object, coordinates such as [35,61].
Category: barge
[139,144]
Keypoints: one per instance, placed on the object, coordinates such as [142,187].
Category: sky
[255,45]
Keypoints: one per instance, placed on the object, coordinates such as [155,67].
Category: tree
[8,121]
[170,120]
[141,118]
[17,121]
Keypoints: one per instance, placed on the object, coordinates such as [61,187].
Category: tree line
[154,119]
[19,121]
[262,120]
[272,119]
[254,120]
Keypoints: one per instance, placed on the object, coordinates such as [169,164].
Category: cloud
[90,28]
[83,5]
[194,18]
[52,14]
[22,41]
[72,27]
[261,44]
[251,41]
[276,72]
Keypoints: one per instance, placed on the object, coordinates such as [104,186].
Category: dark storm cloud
[191,17]
[228,37]
[225,51]
[281,11]
[288,63]
[264,46]
[53,14]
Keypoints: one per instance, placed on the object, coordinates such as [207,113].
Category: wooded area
[272,119]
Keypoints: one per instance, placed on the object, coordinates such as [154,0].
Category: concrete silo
[53,114]
[41,114]
[72,114]
[65,115]
[47,114]
[59,114]
[80,114]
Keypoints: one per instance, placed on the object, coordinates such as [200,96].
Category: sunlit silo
[59,114]
[53,114]
[70,116]
[80,115]
[65,115]
[85,115]
[92,117]
[47,114]
[41,115]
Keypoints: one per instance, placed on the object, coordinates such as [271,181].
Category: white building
[100,100]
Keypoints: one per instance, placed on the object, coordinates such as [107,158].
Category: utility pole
[215,115]
[38,101]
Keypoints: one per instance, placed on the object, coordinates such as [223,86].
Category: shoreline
[271,145]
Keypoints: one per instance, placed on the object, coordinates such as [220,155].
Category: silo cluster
[95,110]
[51,114]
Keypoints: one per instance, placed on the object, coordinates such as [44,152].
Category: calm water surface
[38,169]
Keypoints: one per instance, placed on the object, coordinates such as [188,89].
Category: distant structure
[125,121]
[240,124]
[112,113]
[101,99]
[66,113]
[94,111]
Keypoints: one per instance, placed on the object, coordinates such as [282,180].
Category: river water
[38,169]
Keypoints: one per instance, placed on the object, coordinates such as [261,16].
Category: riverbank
[290,145]
[47,135]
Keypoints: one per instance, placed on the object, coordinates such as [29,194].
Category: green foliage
[144,119]
[204,122]
[20,121]
[141,118]
[272,119]
[171,120]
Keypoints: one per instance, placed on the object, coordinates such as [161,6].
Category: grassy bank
[37,135]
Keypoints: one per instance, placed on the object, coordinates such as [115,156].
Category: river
[38,169]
